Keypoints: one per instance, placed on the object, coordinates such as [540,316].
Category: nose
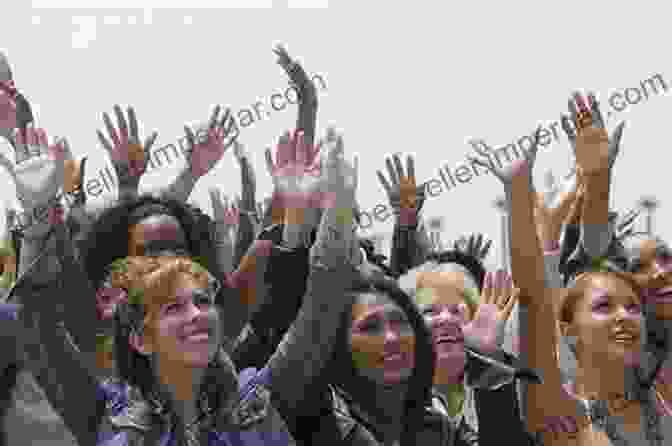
[661,268]
[391,333]
[194,311]
[447,316]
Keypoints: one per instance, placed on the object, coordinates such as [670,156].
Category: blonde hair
[149,280]
[580,284]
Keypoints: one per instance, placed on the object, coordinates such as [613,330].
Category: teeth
[394,357]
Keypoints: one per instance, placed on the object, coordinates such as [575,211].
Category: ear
[140,344]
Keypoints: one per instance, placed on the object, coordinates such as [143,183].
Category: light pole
[649,204]
[502,207]
[436,226]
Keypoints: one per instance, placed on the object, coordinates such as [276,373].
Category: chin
[396,377]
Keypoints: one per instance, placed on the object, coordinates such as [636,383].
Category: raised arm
[406,200]
[309,342]
[248,221]
[128,154]
[595,157]
[307,117]
[537,317]
[205,149]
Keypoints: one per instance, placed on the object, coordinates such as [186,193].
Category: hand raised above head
[212,142]
[585,127]
[128,154]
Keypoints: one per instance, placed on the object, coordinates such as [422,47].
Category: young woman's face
[184,327]
[651,261]
[443,304]
[382,341]
[157,235]
[608,321]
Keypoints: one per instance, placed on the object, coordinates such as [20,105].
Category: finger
[269,161]
[300,148]
[470,244]
[486,249]
[390,171]
[149,142]
[41,139]
[112,133]
[595,111]
[7,164]
[568,128]
[573,112]
[479,242]
[410,168]
[384,182]
[284,151]
[123,125]
[399,167]
[104,142]
[225,118]
[191,139]
[133,125]
[355,171]
[213,119]
[488,288]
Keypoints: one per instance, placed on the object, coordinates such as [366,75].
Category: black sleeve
[499,417]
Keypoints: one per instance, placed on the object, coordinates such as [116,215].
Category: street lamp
[649,204]
[436,226]
[503,208]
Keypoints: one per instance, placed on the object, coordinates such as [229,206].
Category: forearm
[57,365]
[182,187]
[407,248]
[78,297]
[244,236]
[223,246]
[595,234]
[309,343]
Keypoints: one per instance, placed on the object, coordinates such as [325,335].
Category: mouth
[626,338]
[449,339]
[198,336]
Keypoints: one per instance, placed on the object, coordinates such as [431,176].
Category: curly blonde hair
[150,280]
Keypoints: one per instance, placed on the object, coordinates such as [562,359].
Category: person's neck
[182,384]
[593,382]
[451,386]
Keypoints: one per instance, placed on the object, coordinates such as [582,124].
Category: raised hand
[508,172]
[224,214]
[406,198]
[248,178]
[205,152]
[129,156]
[477,245]
[39,178]
[594,150]
[296,171]
[497,300]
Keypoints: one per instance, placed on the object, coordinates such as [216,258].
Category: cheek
[367,351]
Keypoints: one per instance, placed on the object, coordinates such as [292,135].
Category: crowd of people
[151,323]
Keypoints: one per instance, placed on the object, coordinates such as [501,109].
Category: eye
[634,308]
[173,308]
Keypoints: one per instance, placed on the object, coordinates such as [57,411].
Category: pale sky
[413,77]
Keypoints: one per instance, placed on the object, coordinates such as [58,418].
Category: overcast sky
[401,77]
